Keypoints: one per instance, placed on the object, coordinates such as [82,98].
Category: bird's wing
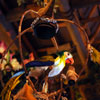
[57,61]
[56,70]
[46,58]
[39,64]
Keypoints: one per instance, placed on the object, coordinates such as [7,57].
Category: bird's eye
[68,54]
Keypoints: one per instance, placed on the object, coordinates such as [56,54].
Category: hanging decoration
[45,28]
[94,54]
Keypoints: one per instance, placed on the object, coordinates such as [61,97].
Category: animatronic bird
[57,63]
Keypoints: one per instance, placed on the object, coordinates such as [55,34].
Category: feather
[18,73]
[7,87]
[47,58]
[10,85]
[39,63]
[58,66]
[45,87]
[60,62]
[57,62]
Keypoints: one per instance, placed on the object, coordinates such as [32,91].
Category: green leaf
[8,57]
[20,2]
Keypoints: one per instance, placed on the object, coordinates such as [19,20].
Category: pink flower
[31,58]
[3,46]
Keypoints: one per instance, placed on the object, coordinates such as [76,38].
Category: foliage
[20,2]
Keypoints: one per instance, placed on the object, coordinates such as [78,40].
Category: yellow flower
[15,64]
[2,64]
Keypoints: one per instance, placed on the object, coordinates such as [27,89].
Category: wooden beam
[5,36]
[93,19]
[52,50]
[86,25]
[92,11]
[15,14]
[62,25]
[53,39]
[78,42]
[95,34]
[7,33]
[97,42]
[78,21]
[89,15]
[84,3]
[76,17]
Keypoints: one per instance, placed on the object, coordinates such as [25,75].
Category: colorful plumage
[57,61]
[10,85]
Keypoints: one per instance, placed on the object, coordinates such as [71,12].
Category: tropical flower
[31,58]
[15,64]
[3,47]
[8,62]
[2,65]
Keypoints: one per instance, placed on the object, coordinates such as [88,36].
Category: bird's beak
[69,61]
